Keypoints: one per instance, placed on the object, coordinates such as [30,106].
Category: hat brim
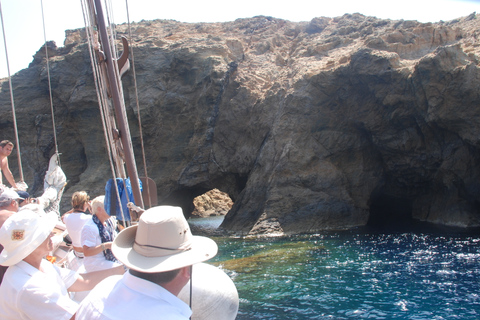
[202,249]
[48,223]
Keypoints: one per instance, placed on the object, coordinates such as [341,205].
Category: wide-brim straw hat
[22,233]
[162,241]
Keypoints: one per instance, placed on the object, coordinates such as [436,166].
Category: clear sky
[25,32]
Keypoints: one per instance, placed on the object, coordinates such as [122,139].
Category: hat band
[143,249]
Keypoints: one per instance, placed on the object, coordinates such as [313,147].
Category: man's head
[9,199]
[162,241]
[22,233]
[6,147]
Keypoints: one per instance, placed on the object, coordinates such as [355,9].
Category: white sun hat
[215,296]
[7,195]
[22,233]
[162,241]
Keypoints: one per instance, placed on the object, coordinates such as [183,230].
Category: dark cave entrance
[390,213]
[230,185]
[204,209]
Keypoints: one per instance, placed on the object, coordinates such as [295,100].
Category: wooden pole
[119,106]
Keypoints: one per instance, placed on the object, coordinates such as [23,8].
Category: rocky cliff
[327,124]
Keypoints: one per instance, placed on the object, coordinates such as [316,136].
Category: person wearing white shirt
[97,236]
[159,253]
[76,218]
[34,288]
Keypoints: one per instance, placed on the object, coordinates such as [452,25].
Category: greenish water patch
[275,255]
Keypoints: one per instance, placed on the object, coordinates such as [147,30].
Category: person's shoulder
[106,286]
[86,217]
[89,224]
[4,215]
[21,275]
[47,266]
[95,305]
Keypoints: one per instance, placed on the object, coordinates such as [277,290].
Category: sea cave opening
[204,208]
[209,200]
[212,203]
[388,212]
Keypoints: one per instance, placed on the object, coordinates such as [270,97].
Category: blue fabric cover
[110,187]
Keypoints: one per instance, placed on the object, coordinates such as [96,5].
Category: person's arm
[87,281]
[7,173]
[66,215]
[91,251]
[91,241]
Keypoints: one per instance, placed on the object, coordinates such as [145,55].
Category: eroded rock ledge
[307,126]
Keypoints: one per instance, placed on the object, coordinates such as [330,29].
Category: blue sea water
[355,275]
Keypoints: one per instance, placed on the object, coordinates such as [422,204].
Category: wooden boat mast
[114,84]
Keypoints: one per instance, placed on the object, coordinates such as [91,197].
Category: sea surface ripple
[355,275]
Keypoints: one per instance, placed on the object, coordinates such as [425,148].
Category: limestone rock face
[307,126]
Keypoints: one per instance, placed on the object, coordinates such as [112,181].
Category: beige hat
[22,233]
[162,241]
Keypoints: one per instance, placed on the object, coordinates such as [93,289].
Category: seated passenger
[34,288]
[97,236]
[8,205]
[159,251]
[76,218]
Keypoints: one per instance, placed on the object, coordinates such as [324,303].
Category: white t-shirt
[91,238]
[28,293]
[129,297]
[74,223]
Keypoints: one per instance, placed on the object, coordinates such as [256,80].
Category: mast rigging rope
[102,95]
[50,87]
[19,157]
[138,104]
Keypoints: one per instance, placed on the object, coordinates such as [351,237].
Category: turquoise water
[355,275]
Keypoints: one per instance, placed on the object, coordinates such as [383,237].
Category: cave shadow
[389,213]
[393,214]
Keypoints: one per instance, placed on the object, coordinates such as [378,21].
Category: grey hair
[98,202]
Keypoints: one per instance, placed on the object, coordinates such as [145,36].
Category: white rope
[101,90]
[50,87]
[138,104]
[19,157]
[114,50]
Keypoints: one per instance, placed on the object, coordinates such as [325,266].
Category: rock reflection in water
[205,226]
